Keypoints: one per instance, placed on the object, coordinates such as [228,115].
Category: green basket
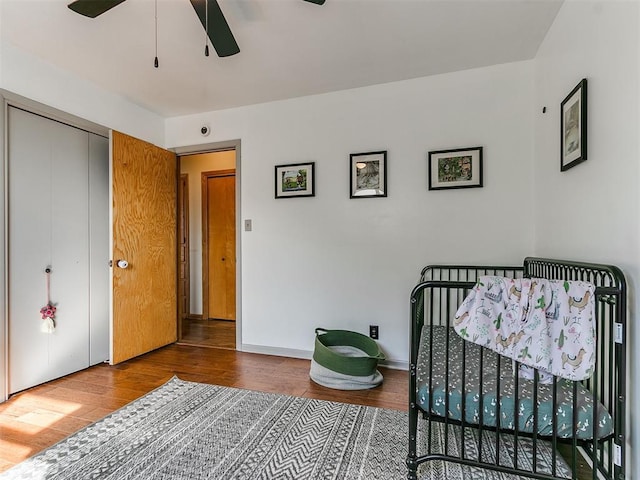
[348,365]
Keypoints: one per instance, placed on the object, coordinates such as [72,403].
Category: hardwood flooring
[209,333]
[37,418]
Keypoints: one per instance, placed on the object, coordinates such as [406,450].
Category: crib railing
[608,383]
[434,302]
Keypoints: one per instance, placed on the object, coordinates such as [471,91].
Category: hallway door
[219,236]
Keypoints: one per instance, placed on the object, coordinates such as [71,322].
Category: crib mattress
[481,405]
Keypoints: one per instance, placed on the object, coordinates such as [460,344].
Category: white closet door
[99,249]
[48,227]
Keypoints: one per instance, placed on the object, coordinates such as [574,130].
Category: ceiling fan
[216,25]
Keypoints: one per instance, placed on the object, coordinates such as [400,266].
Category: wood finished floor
[209,333]
[37,418]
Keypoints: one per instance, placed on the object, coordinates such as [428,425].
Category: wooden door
[144,180]
[183,250]
[220,243]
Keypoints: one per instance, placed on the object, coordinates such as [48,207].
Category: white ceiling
[288,48]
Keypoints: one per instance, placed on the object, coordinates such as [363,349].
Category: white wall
[339,263]
[591,212]
[24,75]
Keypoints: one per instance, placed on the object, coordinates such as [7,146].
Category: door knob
[122,264]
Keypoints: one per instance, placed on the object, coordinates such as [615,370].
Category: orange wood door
[183,248]
[221,248]
[144,180]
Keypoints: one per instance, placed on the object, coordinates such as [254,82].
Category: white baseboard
[277,351]
[396,364]
[307,355]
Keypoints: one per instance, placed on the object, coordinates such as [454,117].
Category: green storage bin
[345,360]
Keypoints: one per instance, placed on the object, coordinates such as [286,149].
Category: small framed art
[456,168]
[295,180]
[573,127]
[368,174]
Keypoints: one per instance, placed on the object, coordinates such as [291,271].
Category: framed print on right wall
[573,127]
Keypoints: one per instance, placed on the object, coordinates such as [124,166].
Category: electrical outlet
[373,331]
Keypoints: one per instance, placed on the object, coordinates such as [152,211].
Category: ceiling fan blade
[93,8]
[317,2]
[218,30]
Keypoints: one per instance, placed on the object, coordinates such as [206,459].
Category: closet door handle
[122,264]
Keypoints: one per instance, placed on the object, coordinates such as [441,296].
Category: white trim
[396,364]
[52,113]
[207,147]
[307,355]
[4,318]
[110,360]
[277,351]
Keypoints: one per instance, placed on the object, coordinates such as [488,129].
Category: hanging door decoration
[48,312]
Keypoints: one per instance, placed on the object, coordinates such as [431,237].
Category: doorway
[207,249]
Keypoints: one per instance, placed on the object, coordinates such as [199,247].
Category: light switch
[247,225]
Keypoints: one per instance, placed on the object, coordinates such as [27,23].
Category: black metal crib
[477,412]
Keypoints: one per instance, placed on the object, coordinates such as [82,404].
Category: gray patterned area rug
[188,431]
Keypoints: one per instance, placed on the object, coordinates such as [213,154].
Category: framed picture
[457,168]
[295,180]
[368,174]
[573,127]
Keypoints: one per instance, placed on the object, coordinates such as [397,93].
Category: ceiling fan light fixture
[208,12]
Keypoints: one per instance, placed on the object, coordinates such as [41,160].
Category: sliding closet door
[49,211]
[99,232]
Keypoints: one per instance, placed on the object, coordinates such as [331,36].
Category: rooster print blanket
[548,325]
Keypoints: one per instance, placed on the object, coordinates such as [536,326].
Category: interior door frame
[4,322]
[218,147]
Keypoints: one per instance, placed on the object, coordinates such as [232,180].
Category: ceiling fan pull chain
[206,28]
[155,62]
